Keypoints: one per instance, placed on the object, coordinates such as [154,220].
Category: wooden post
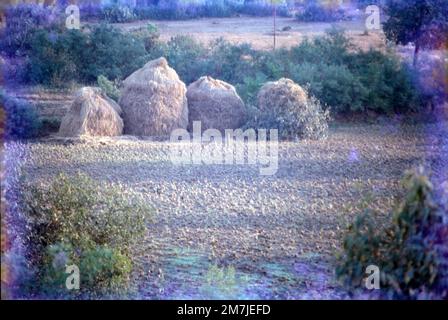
[275,22]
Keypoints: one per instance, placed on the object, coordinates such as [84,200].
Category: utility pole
[275,23]
[274,9]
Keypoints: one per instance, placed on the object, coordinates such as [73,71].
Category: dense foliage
[109,88]
[75,56]
[21,118]
[182,10]
[405,250]
[339,76]
[22,22]
[422,22]
[74,220]
[315,11]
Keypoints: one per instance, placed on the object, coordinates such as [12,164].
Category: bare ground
[259,31]
[280,233]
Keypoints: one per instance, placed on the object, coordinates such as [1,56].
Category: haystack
[284,105]
[92,113]
[216,104]
[154,101]
[280,94]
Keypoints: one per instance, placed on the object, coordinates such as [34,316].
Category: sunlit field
[203,150]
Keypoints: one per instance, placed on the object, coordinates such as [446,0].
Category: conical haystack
[92,113]
[280,94]
[216,104]
[154,101]
[285,106]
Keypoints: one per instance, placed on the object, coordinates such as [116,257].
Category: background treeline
[132,10]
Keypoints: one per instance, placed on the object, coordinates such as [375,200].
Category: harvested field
[280,233]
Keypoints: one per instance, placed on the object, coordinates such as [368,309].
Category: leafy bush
[181,10]
[335,85]
[232,63]
[118,14]
[76,56]
[90,10]
[101,268]
[109,88]
[188,57]
[74,220]
[22,21]
[255,8]
[57,58]
[339,77]
[170,10]
[332,48]
[389,82]
[404,251]
[149,35]
[248,90]
[353,81]
[21,118]
[315,12]
[217,8]
[112,54]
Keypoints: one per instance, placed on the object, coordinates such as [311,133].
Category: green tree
[422,22]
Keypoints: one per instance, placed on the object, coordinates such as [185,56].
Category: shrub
[109,88]
[188,57]
[112,54]
[57,58]
[217,8]
[233,63]
[75,56]
[315,12]
[90,10]
[250,87]
[351,81]
[332,48]
[145,12]
[22,21]
[265,9]
[21,118]
[170,10]
[334,85]
[101,268]
[118,14]
[180,10]
[74,220]
[285,106]
[388,81]
[404,250]
[149,35]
